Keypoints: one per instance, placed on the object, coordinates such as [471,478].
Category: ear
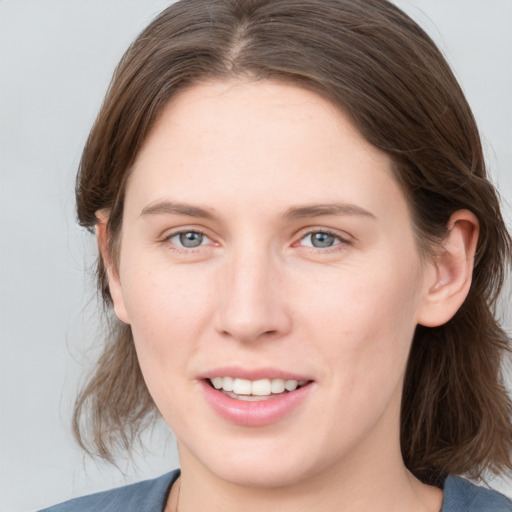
[452,270]
[114,282]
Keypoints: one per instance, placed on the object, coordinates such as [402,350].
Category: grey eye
[320,239]
[189,239]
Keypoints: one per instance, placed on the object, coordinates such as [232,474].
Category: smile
[254,390]
[254,402]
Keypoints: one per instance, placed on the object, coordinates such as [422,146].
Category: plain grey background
[56,59]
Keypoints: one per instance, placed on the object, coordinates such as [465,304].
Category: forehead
[220,140]
[253,113]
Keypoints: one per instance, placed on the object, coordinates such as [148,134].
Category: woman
[303,254]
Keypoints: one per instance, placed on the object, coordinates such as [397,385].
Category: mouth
[255,390]
[256,397]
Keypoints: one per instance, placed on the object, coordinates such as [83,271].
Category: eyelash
[341,242]
[177,248]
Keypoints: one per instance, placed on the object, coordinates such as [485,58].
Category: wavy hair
[383,71]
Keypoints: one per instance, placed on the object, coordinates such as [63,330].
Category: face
[268,251]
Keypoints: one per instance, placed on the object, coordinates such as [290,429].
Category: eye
[188,239]
[320,239]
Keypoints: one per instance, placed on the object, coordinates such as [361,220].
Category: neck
[338,488]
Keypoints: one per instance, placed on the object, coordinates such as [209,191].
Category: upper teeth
[261,387]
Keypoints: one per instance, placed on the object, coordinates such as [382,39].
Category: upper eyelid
[176,233]
[323,231]
[169,234]
[340,241]
[343,236]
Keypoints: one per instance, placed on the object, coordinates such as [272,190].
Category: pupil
[191,239]
[322,240]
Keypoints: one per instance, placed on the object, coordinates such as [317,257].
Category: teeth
[217,382]
[241,387]
[261,387]
[290,385]
[227,384]
[277,386]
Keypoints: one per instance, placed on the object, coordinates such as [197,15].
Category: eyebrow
[294,213]
[316,210]
[176,208]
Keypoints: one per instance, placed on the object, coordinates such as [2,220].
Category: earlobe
[452,271]
[114,282]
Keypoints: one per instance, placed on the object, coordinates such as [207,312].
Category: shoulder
[146,496]
[463,496]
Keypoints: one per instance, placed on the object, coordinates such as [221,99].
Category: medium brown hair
[383,71]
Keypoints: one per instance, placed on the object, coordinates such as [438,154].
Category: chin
[268,474]
[263,464]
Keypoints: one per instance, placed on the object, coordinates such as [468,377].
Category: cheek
[167,319]
[168,313]
[364,320]
[363,327]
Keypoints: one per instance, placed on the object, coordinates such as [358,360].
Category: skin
[256,293]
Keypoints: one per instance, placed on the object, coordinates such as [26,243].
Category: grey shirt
[151,496]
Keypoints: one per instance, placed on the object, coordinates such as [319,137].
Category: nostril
[242,335]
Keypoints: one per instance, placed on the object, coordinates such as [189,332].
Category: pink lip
[252,374]
[254,414]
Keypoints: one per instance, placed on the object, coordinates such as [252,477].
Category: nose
[251,301]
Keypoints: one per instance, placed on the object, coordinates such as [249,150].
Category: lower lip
[258,413]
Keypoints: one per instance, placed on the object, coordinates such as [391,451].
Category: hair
[384,72]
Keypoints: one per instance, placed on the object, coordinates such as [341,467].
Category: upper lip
[253,373]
